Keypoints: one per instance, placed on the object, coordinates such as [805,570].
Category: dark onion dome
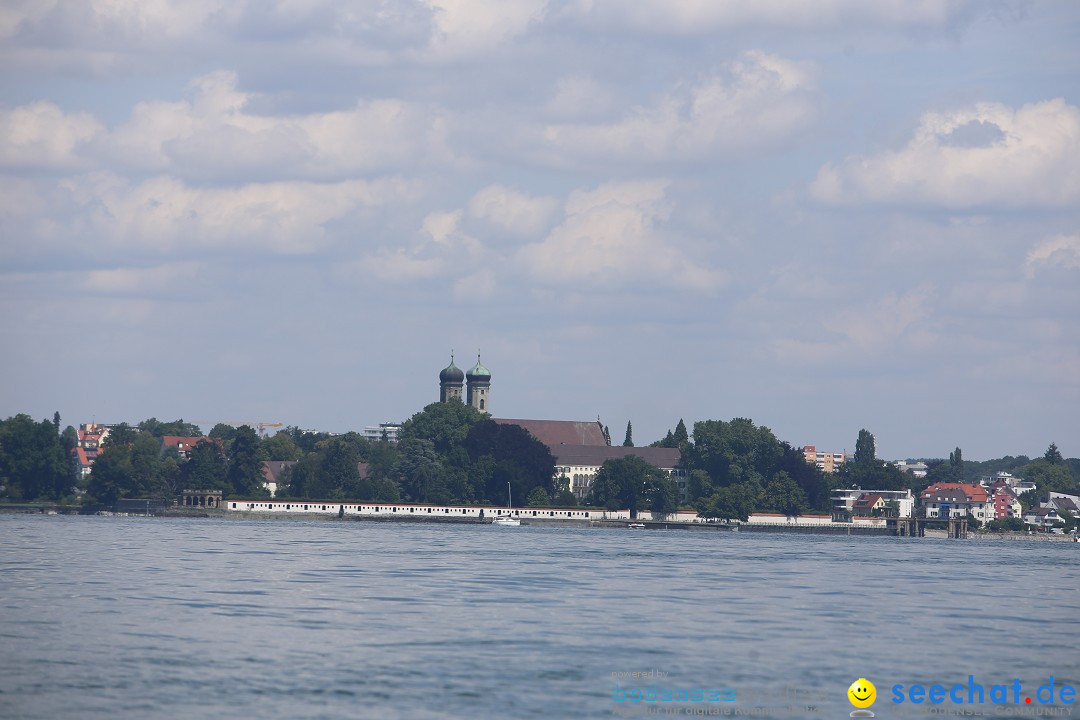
[451,373]
[478,372]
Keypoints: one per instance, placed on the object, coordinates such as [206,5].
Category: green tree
[508,454]
[1048,477]
[956,466]
[33,464]
[112,476]
[1053,455]
[865,449]
[783,495]
[733,502]
[224,433]
[733,452]
[280,446]
[632,483]
[445,424]
[160,429]
[628,441]
[538,498]
[122,434]
[245,464]
[420,472]
[206,468]
[681,436]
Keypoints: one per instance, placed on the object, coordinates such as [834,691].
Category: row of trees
[451,453]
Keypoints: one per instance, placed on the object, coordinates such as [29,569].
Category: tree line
[449,453]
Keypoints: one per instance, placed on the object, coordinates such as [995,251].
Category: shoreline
[610,524]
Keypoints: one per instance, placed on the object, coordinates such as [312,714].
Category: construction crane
[260,425]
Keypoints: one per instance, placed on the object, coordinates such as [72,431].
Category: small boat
[507,519]
[636,526]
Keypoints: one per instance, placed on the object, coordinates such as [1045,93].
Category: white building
[944,500]
[387,431]
[844,500]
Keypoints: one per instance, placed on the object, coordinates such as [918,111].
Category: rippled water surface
[223,618]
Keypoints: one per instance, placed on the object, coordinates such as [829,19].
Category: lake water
[223,618]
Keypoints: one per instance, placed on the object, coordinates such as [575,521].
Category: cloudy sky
[822,215]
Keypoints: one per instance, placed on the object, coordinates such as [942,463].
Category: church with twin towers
[478,381]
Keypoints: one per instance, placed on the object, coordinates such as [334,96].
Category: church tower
[450,381]
[479,380]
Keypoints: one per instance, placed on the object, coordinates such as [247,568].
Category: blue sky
[823,216]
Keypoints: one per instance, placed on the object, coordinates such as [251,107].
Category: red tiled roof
[972,493]
[561,432]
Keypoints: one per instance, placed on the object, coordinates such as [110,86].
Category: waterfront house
[945,500]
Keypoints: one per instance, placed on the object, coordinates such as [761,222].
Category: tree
[445,424]
[956,466]
[206,467]
[1052,455]
[506,454]
[112,476]
[681,437]
[628,441]
[783,495]
[224,433]
[33,464]
[607,435]
[734,502]
[280,446]
[865,450]
[538,498]
[160,429]
[122,434]
[420,472]
[632,483]
[245,463]
[733,452]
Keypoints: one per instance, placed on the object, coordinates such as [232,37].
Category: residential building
[1063,502]
[867,503]
[183,444]
[1043,518]
[1018,485]
[830,462]
[914,469]
[1006,504]
[90,439]
[272,471]
[944,500]
[387,431]
[844,500]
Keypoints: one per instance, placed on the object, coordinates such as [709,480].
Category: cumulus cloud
[464,27]
[986,155]
[755,100]
[609,238]
[1060,250]
[513,211]
[164,215]
[698,16]
[44,136]
[870,330]
[214,135]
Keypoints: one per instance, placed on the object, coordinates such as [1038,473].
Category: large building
[830,462]
[579,447]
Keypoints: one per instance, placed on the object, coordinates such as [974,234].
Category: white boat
[636,526]
[506,519]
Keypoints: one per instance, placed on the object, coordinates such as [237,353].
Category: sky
[824,215]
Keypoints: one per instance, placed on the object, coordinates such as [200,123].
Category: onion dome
[478,372]
[451,373]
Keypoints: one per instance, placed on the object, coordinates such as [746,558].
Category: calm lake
[107,617]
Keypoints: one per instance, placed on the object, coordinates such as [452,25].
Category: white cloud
[609,239]
[215,136]
[986,155]
[164,214]
[511,210]
[42,135]
[695,17]
[464,27]
[871,330]
[1060,250]
[758,99]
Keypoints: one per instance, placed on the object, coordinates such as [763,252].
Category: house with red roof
[867,503]
[946,499]
[1006,504]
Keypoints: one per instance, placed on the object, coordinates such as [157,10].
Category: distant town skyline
[820,216]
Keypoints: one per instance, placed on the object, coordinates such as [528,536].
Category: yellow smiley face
[862,693]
